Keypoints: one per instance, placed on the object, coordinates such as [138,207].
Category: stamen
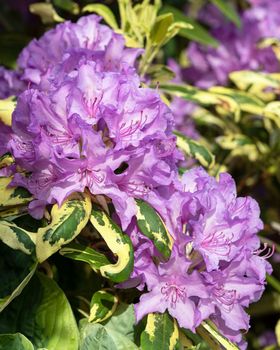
[173,293]
[217,243]
[268,254]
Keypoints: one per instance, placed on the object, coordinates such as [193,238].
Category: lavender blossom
[217,267]
[37,63]
[80,132]
[238,48]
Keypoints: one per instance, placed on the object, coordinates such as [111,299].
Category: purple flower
[238,48]
[218,222]
[172,288]
[61,49]
[217,267]
[82,132]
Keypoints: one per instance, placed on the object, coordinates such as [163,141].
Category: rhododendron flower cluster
[217,267]
[238,47]
[84,123]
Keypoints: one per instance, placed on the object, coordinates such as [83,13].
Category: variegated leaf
[6,160]
[12,196]
[118,242]
[210,334]
[85,254]
[224,104]
[161,332]
[152,226]
[233,141]
[7,107]
[17,238]
[102,306]
[67,222]
[246,101]
[13,212]
[262,85]
[272,111]
[195,150]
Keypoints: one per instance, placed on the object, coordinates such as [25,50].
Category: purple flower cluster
[36,63]
[88,123]
[217,267]
[238,48]
[84,123]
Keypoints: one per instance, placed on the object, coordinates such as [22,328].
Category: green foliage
[43,315]
[152,226]
[195,31]
[161,332]
[103,304]
[118,242]
[228,10]
[15,341]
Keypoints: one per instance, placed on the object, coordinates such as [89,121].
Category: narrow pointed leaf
[246,101]
[67,222]
[224,104]
[228,10]
[160,28]
[118,242]
[195,150]
[161,332]
[85,254]
[196,32]
[102,306]
[152,226]
[16,237]
[209,333]
[103,11]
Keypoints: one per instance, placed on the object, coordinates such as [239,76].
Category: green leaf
[6,160]
[224,104]
[97,336]
[67,5]
[272,111]
[263,85]
[16,237]
[196,32]
[246,101]
[43,314]
[123,320]
[16,270]
[195,150]
[231,142]
[15,341]
[103,11]
[277,332]
[161,332]
[209,333]
[160,28]
[152,226]
[67,222]
[7,107]
[46,12]
[159,73]
[85,254]
[228,10]
[118,242]
[12,196]
[102,306]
